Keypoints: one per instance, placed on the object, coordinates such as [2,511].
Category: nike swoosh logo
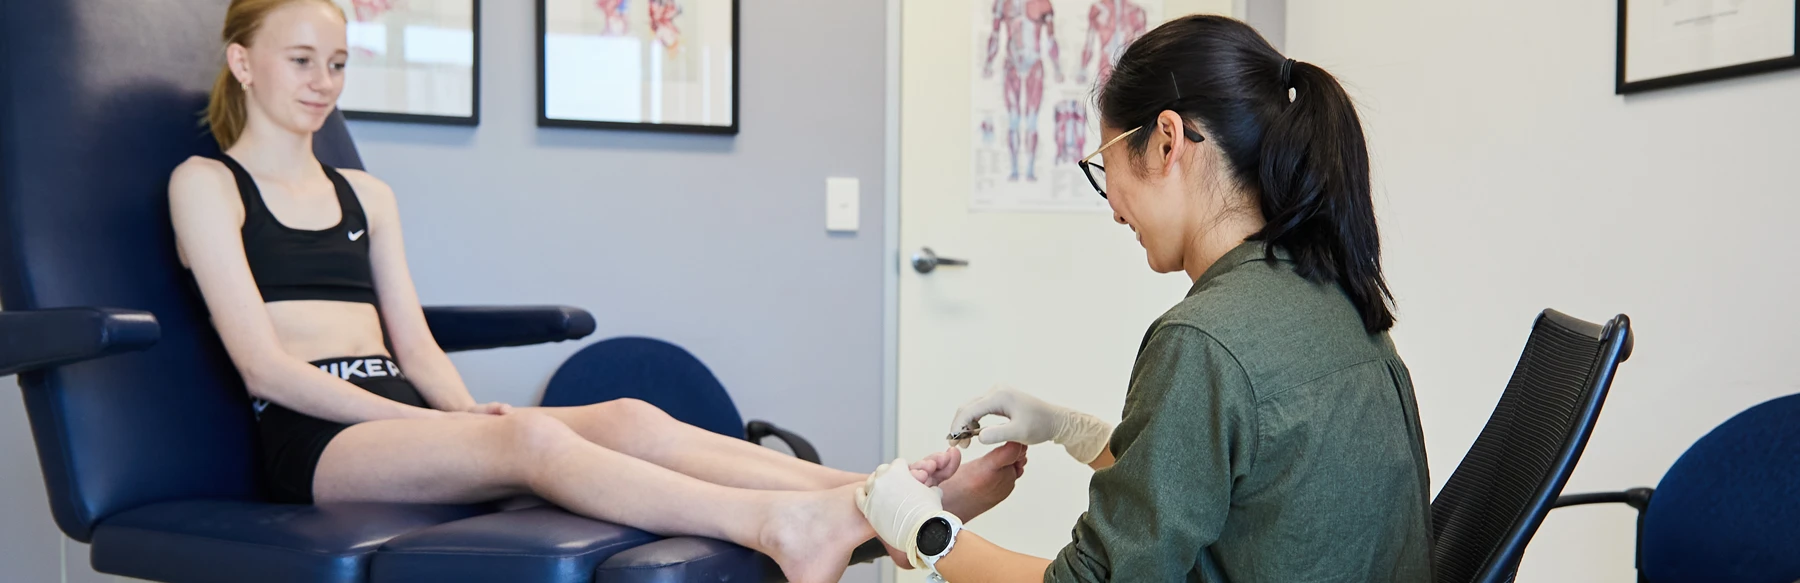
[354,235]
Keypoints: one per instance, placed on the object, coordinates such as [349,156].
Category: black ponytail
[1305,161]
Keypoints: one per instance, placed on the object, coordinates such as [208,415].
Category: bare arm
[975,559]
[1105,460]
[208,217]
[417,350]
[1050,37]
[1093,34]
[994,36]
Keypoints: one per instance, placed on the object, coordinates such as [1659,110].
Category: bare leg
[1014,86]
[467,459]
[1034,97]
[642,431]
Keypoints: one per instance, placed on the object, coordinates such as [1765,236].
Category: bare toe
[952,461]
[933,469]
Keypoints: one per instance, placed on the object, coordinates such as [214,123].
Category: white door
[1054,303]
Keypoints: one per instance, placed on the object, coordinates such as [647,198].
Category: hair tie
[1287,69]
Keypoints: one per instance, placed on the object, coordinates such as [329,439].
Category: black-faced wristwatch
[935,539]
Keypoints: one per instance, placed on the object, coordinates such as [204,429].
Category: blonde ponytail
[225,110]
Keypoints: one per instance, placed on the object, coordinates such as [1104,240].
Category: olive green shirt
[1267,437]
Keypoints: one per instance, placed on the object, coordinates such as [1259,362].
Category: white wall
[1511,179]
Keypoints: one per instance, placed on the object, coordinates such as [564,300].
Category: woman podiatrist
[1270,431]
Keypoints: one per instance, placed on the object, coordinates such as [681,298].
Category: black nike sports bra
[297,264]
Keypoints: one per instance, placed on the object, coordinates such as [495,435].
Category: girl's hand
[495,408]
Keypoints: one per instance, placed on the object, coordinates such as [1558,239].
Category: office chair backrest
[650,370]
[99,101]
[1499,494]
[1728,511]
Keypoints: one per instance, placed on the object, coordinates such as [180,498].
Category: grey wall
[715,243]
[30,545]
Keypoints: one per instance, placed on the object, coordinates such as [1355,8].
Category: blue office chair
[1498,496]
[664,375]
[674,380]
[141,422]
[1728,511]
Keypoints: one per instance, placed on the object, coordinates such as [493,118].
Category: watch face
[934,537]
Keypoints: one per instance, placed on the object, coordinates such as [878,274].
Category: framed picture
[413,60]
[1666,43]
[655,65]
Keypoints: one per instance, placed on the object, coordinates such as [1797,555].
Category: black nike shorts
[292,443]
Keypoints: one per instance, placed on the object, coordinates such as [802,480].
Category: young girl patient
[302,268]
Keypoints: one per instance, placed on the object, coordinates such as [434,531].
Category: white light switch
[842,211]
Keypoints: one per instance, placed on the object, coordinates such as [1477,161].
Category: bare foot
[983,482]
[933,469]
[810,534]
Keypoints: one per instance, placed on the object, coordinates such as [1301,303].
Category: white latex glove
[897,505]
[1032,421]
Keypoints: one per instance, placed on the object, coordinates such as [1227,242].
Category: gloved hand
[897,505]
[1032,421]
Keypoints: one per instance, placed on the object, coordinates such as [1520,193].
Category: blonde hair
[226,111]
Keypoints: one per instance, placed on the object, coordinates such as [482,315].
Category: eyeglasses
[1096,174]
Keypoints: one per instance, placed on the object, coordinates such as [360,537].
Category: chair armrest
[460,328]
[38,339]
[1638,498]
[803,449]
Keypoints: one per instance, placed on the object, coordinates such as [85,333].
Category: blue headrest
[1728,511]
[650,370]
[99,101]
[333,146]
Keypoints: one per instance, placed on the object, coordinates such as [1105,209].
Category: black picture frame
[474,117]
[544,119]
[1621,87]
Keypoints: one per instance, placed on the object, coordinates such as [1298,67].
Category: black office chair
[1500,493]
[1728,511]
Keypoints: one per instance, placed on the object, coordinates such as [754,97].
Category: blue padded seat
[249,541]
[1728,511]
[542,544]
[688,559]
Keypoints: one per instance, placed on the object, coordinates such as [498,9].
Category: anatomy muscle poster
[1036,63]
[646,65]
[412,60]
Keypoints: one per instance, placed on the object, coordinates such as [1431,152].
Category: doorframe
[890,253]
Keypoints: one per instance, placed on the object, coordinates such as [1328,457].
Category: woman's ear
[237,57]
[1169,139]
